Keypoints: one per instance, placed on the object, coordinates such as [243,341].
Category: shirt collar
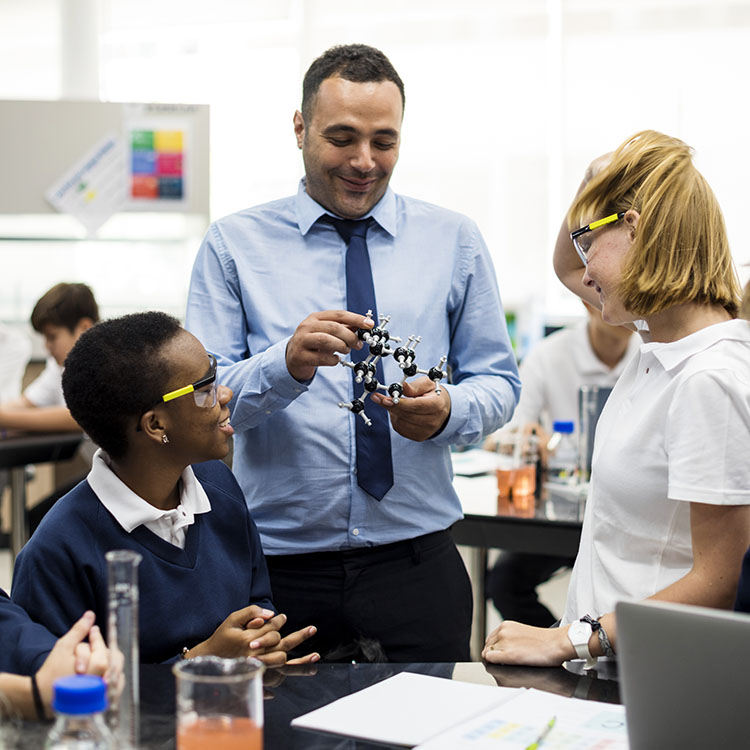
[130,510]
[674,353]
[309,210]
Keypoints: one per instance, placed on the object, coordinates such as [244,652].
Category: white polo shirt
[675,430]
[131,511]
[555,369]
[46,389]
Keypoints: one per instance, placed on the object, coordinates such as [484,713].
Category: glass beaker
[122,639]
[591,400]
[516,472]
[219,703]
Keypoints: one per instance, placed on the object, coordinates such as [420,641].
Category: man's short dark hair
[353,62]
[115,373]
[65,305]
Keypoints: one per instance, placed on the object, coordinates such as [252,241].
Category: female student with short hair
[145,390]
[668,512]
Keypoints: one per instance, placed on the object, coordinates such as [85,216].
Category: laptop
[684,676]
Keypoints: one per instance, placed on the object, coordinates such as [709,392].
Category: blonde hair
[745,304]
[681,252]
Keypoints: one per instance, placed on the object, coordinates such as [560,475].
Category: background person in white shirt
[591,353]
[61,315]
[668,513]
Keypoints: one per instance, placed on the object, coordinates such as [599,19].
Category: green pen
[538,741]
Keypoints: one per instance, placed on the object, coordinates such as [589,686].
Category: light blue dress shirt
[258,274]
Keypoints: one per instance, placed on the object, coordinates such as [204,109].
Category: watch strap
[582,649]
[604,642]
[595,624]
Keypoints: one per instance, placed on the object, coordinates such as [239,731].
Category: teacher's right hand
[317,339]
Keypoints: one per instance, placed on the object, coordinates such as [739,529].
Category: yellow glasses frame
[193,387]
[583,246]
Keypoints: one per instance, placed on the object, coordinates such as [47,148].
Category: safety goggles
[583,237]
[204,390]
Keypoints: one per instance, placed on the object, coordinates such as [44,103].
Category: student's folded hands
[255,631]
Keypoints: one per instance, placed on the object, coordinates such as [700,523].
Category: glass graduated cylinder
[122,638]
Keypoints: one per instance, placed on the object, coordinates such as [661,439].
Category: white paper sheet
[517,724]
[94,187]
[473,463]
[405,709]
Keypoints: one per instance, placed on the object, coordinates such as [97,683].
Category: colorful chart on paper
[589,736]
[519,722]
[157,162]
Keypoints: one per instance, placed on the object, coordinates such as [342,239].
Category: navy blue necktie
[374,462]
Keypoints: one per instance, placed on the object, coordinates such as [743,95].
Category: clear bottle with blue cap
[79,702]
[562,465]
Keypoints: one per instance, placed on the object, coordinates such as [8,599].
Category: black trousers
[512,582]
[408,601]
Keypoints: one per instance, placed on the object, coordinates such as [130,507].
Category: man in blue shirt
[380,577]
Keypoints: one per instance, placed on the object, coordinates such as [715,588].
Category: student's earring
[164,438]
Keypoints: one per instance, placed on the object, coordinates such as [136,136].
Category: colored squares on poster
[143,186]
[170,187]
[157,163]
[168,140]
[144,162]
[169,164]
[142,140]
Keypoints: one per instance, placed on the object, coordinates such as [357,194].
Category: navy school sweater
[25,644]
[184,594]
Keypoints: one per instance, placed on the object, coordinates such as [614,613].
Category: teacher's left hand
[421,413]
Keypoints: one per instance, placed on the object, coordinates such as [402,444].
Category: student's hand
[317,339]
[525,645]
[71,654]
[421,414]
[277,656]
[233,638]
[568,266]
[596,166]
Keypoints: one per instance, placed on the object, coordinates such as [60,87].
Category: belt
[405,548]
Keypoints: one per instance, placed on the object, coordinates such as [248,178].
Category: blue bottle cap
[79,694]
[566,428]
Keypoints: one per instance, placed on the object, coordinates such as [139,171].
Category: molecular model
[365,371]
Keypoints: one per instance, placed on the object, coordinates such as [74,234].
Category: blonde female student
[668,513]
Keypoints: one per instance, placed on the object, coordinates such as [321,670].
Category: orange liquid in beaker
[225,732]
[515,490]
[524,484]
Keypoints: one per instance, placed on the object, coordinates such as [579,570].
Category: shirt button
[355,532]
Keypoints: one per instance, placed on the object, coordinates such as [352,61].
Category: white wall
[507,101]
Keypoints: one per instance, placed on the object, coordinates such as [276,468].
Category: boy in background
[61,315]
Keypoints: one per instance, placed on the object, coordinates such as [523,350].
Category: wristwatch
[579,634]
